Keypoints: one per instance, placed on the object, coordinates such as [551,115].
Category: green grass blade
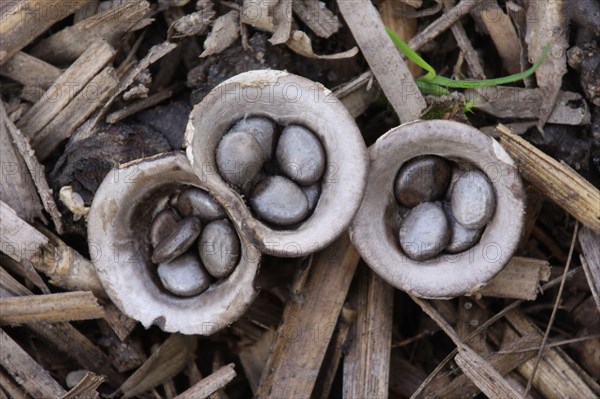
[414,57]
[473,84]
[427,87]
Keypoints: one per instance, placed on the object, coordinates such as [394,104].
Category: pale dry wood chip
[26,371]
[384,60]
[282,16]
[519,279]
[504,36]
[297,360]
[196,23]
[317,17]
[69,43]
[487,378]
[367,363]
[30,71]
[590,244]
[555,180]
[225,31]
[86,388]
[170,358]
[520,103]
[547,23]
[52,308]
[258,14]
[300,43]
[209,385]
[17,188]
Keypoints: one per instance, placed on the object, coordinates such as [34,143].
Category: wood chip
[91,97]
[17,188]
[367,363]
[68,44]
[306,331]
[122,325]
[590,245]
[25,20]
[487,379]
[301,44]
[546,23]
[504,35]
[68,306]
[282,21]
[225,31]
[27,372]
[86,388]
[520,279]
[66,87]
[140,105]
[317,17]
[384,60]
[557,376]
[254,357]
[555,180]
[30,71]
[465,45]
[170,358]
[47,253]
[508,102]
[394,15]
[210,384]
[36,170]
[11,388]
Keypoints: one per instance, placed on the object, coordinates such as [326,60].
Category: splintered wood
[367,363]
[307,328]
[555,180]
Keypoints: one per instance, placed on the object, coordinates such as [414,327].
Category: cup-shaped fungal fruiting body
[443,210]
[166,249]
[284,155]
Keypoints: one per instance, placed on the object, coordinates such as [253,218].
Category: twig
[550,345]
[483,326]
[554,310]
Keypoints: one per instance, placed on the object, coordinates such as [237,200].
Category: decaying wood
[165,363]
[384,60]
[68,306]
[254,357]
[555,180]
[66,87]
[465,45]
[333,357]
[36,170]
[282,21]
[479,371]
[317,17]
[210,384]
[358,98]
[504,35]
[367,363]
[17,188]
[68,44]
[140,105]
[556,377]
[442,23]
[26,371]
[121,324]
[482,374]
[91,97]
[590,245]
[86,388]
[48,254]
[306,331]
[225,31]
[547,24]
[63,336]
[520,279]
[514,102]
[394,16]
[11,388]
[30,71]
[24,20]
